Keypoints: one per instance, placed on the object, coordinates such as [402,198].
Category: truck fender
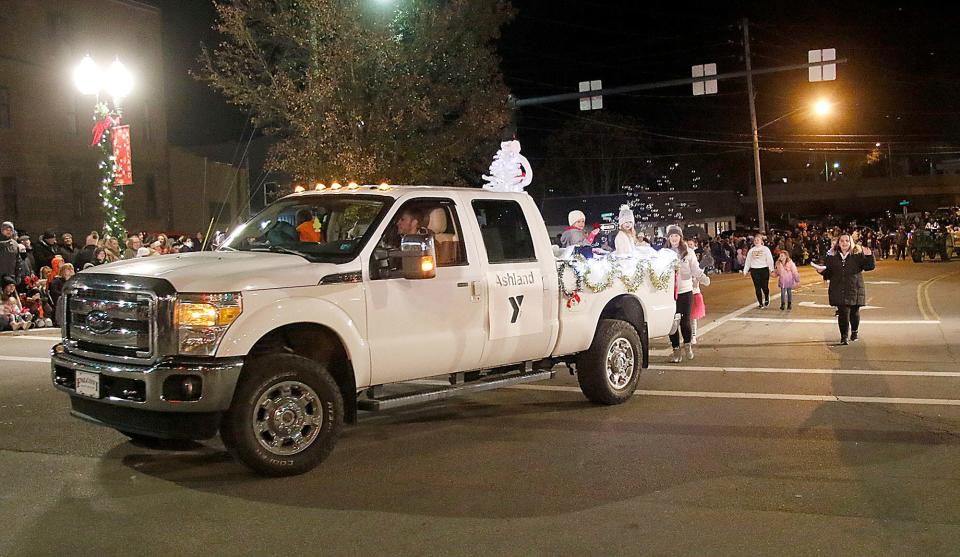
[630,308]
[249,328]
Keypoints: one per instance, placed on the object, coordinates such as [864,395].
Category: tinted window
[506,235]
[330,228]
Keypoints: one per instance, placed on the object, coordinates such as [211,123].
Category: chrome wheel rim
[287,418]
[620,363]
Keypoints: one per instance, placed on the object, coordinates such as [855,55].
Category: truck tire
[286,415]
[609,370]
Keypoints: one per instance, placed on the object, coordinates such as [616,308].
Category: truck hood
[223,271]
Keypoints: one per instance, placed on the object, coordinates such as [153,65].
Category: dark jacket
[84,256]
[43,254]
[846,280]
[9,258]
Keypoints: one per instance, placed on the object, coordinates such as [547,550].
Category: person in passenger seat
[305,227]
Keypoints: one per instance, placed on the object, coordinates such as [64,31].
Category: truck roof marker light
[335,186]
[353,186]
[383,186]
[298,189]
[320,187]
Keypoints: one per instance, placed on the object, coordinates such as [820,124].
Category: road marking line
[834,321]
[762,396]
[702,331]
[926,293]
[23,359]
[819,371]
[920,303]
[30,337]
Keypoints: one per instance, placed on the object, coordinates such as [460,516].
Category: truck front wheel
[609,370]
[286,415]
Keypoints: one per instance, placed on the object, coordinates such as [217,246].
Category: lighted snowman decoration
[510,171]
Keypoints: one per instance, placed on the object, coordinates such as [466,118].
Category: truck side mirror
[419,256]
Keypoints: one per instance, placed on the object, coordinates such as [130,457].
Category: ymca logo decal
[515,303]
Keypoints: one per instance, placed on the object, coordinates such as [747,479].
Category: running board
[419,397]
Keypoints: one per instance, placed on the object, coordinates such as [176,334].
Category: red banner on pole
[121,153]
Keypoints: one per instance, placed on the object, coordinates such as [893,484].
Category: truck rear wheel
[286,415]
[609,370]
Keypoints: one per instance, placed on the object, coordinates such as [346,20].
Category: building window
[5,108]
[8,188]
[78,204]
[151,191]
[146,124]
[72,122]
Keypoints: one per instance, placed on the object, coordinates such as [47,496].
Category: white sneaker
[48,322]
[689,351]
[676,358]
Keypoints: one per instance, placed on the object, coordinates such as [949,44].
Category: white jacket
[689,272]
[757,258]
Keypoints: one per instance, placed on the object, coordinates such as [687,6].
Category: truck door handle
[462,284]
[474,291]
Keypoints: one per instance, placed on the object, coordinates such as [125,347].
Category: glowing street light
[119,81]
[823,107]
[111,138]
[90,79]
[87,76]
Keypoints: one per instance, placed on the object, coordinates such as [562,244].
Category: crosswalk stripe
[762,396]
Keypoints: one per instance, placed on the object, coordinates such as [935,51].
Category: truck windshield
[320,228]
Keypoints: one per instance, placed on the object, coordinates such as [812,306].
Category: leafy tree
[353,90]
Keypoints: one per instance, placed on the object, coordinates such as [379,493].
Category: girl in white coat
[759,263]
[688,273]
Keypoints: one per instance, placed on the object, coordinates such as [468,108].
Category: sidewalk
[43,331]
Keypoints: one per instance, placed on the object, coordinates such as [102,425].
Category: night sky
[900,86]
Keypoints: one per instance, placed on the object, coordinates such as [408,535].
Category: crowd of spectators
[32,273]
[810,242]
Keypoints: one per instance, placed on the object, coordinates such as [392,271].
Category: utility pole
[758,181]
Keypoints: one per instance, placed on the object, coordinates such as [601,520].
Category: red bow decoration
[575,298]
[102,126]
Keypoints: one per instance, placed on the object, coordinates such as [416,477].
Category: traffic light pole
[758,179]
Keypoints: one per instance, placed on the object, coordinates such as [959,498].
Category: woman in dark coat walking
[844,270]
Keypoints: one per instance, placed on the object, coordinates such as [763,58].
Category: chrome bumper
[141,387]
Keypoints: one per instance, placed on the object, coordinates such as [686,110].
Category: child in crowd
[33,302]
[15,317]
[788,278]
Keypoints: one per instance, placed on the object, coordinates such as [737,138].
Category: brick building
[48,171]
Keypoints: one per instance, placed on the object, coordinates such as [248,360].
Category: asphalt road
[773,440]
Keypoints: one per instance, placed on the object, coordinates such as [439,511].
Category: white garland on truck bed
[600,273]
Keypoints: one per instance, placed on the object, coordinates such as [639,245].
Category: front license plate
[88,384]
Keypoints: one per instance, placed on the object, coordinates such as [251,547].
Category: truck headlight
[202,320]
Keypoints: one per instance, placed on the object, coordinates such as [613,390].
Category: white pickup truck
[275,342]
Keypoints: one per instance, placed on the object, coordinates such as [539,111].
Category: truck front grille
[111,325]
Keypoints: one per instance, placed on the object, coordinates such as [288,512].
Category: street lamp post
[821,108]
[117,82]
